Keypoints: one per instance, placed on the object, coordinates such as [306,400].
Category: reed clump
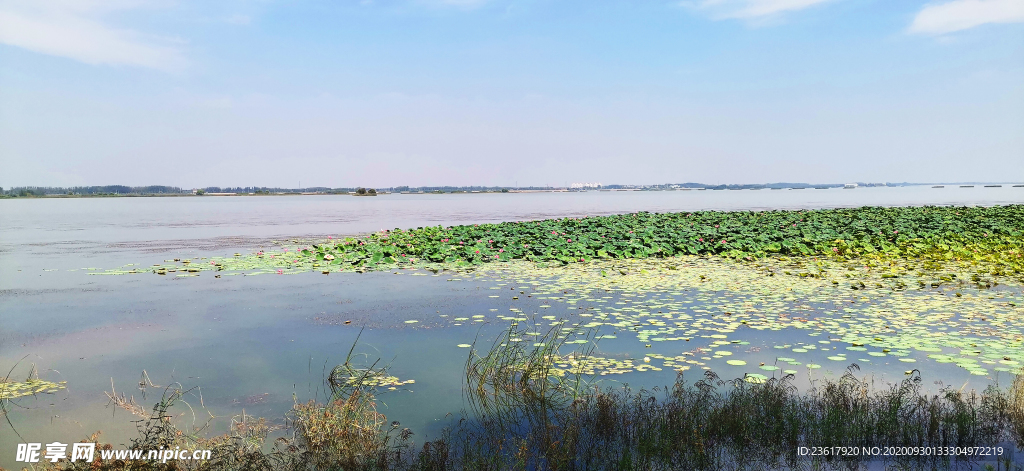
[1017,408]
[346,433]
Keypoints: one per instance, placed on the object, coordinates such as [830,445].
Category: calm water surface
[257,343]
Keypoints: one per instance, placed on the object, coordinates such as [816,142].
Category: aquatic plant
[716,424]
[345,433]
[348,378]
[1016,408]
[872,284]
[993,234]
[518,384]
[701,312]
[527,413]
[992,237]
[11,390]
[711,424]
[15,389]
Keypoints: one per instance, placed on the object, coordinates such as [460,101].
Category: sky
[384,93]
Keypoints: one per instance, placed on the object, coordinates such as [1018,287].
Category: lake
[258,343]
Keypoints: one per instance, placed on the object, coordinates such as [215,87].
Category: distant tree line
[271,190]
[23,191]
[114,190]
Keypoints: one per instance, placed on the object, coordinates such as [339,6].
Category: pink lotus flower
[280,272]
[568,240]
[477,251]
[701,239]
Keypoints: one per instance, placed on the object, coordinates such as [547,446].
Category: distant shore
[141,192]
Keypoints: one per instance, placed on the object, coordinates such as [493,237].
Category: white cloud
[963,14]
[749,9]
[73,29]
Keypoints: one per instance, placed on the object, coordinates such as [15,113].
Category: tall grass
[525,413]
[1016,409]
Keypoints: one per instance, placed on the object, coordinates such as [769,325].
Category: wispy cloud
[963,14]
[74,29]
[749,9]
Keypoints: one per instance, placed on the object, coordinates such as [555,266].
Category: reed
[527,413]
[1016,408]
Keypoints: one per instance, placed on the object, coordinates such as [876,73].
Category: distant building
[850,186]
[583,186]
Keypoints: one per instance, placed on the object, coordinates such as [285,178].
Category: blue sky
[500,92]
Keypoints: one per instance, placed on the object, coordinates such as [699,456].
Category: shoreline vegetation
[113,191]
[526,414]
